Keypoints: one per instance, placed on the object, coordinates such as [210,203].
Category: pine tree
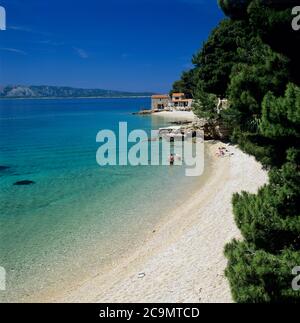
[267,126]
[253,59]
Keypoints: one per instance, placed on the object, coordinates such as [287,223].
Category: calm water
[77,216]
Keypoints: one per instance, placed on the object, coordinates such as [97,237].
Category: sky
[128,45]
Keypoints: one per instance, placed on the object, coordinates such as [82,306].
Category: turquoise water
[77,216]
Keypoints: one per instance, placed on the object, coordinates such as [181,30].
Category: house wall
[157,103]
[177,97]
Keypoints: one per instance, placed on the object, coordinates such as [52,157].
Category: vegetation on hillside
[252,58]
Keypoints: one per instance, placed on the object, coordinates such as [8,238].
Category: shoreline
[176,115]
[183,260]
[75,97]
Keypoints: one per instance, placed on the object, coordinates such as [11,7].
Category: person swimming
[172,159]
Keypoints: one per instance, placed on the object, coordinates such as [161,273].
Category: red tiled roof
[160,96]
[178,94]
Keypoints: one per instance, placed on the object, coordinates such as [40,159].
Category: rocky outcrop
[216,130]
[143,112]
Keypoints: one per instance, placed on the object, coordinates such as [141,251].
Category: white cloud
[14,50]
[81,52]
[26,29]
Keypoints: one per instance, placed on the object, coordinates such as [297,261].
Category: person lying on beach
[224,152]
[221,152]
[224,149]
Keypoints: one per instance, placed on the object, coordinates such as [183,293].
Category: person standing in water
[172,159]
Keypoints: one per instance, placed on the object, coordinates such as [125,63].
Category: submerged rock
[26,182]
[143,112]
[4,167]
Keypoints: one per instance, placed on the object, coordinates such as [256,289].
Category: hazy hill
[19,91]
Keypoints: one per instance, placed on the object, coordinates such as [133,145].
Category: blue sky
[131,45]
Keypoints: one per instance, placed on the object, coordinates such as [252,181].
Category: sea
[76,217]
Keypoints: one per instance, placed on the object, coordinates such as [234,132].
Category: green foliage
[281,116]
[253,60]
[186,84]
[205,105]
[249,84]
[234,8]
[272,21]
[260,147]
[230,42]
[270,220]
[219,54]
[268,72]
[266,122]
[257,276]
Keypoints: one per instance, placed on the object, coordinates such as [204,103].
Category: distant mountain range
[20,91]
